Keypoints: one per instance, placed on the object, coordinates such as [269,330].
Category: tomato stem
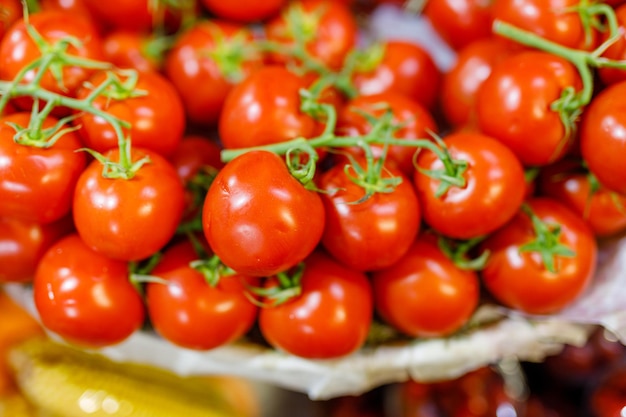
[457,252]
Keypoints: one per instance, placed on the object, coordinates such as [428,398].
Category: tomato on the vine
[244,11]
[10,12]
[131,50]
[462,22]
[616,50]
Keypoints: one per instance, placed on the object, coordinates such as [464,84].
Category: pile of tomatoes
[216,169]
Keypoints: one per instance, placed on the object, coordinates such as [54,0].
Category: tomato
[23,243]
[609,396]
[460,23]
[264,109]
[371,234]
[156,115]
[424,294]
[128,49]
[10,12]
[85,297]
[404,68]
[189,312]
[328,29]
[200,65]
[134,15]
[493,192]
[521,280]
[514,105]
[603,210]
[18,49]
[329,319]
[129,219]
[602,138]
[416,121]
[616,51]
[37,183]
[245,11]
[73,8]
[258,219]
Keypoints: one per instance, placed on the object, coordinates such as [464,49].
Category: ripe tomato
[133,15]
[85,297]
[258,219]
[156,115]
[129,219]
[36,184]
[616,51]
[404,68]
[10,12]
[493,192]
[609,396]
[73,8]
[23,243]
[460,23]
[424,294]
[521,280]
[199,62]
[330,318]
[602,139]
[264,109]
[328,28]
[244,11]
[372,234]
[127,49]
[189,312]
[514,105]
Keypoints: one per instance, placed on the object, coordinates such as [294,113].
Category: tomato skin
[10,12]
[264,109]
[189,312]
[520,280]
[460,23]
[513,105]
[424,294]
[616,51]
[126,49]
[258,219]
[86,297]
[244,11]
[122,14]
[329,319]
[602,141]
[23,243]
[405,68]
[129,219]
[372,234]
[73,8]
[37,184]
[193,153]
[494,190]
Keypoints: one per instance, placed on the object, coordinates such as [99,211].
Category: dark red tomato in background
[137,15]
[244,11]
[609,397]
[460,22]
[616,51]
[521,280]
[85,297]
[424,294]
[130,50]
[329,319]
[37,184]
[258,219]
[10,12]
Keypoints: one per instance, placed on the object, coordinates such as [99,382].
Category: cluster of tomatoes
[210,167]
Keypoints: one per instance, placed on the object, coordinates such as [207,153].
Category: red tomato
[602,137]
[328,28]
[156,115]
[189,312]
[493,192]
[129,219]
[404,68]
[199,62]
[123,14]
[10,12]
[127,49]
[616,51]
[424,294]
[23,243]
[73,8]
[372,234]
[264,109]
[416,121]
[245,11]
[609,396]
[521,280]
[330,318]
[85,297]
[514,105]
[36,184]
[258,219]
[460,23]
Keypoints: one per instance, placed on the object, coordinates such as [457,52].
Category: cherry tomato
[404,68]
[258,219]
[616,51]
[156,115]
[521,279]
[460,23]
[200,67]
[424,294]
[37,183]
[73,8]
[244,11]
[330,318]
[602,138]
[493,192]
[129,219]
[85,297]
[514,105]
[10,12]
[189,312]
[129,50]
[123,14]
[371,234]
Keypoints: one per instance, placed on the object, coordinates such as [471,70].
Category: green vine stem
[457,252]
[288,287]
